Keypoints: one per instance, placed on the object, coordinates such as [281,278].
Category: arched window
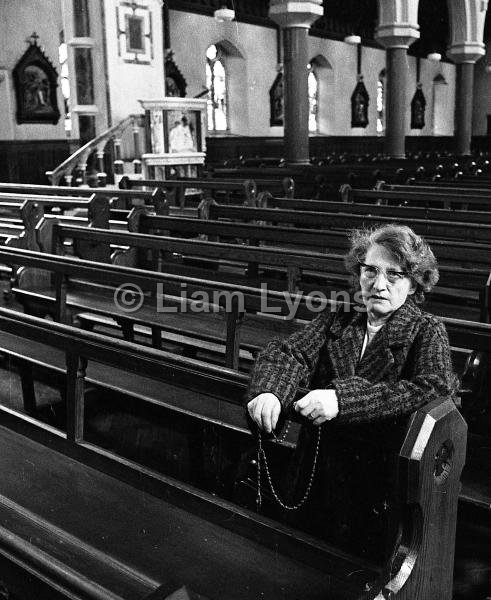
[313,85]
[65,82]
[321,95]
[216,82]
[381,102]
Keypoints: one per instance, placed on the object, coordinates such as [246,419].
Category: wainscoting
[28,161]
[230,147]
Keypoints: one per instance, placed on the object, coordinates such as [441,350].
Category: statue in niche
[171,88]
[175,84]
[359,104]
[35,81]
[276,101]
[418,105]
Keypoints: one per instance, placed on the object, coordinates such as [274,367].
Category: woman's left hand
[318,406]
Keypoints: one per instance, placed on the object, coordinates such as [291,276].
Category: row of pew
[191,371]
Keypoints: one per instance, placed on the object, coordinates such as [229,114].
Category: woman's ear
[412,289]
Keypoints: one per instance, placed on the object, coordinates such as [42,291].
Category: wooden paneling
[220,149]
[28,161]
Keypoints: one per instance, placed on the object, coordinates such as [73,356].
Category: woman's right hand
[264,411]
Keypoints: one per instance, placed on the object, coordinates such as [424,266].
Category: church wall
[253,72]
[19,20]
[336,109]
[482,95]
[129,81]
[251,66]
[439,96]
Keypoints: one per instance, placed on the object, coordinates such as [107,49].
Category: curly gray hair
[409,249]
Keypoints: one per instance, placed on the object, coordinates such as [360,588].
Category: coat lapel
[384,351]
[345,342]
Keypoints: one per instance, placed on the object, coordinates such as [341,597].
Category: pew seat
[208,329]
[81,532]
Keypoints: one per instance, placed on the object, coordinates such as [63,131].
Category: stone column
[464,92]
[397,30]
[295,18]
[467,19]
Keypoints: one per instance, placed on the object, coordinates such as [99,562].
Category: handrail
[81,155]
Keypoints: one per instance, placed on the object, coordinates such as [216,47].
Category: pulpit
[175,137]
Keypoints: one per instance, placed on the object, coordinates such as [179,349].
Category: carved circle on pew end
[443,462]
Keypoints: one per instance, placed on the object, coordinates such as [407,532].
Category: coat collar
[346,340]
[396,328]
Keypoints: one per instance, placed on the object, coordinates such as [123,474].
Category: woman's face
[384,284]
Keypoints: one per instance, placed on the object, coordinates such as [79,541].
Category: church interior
[178,183]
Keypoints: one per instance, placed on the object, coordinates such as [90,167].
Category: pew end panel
[430,465]
[31,213]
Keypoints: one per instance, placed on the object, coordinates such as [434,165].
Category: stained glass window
[313,85]
[65,82]
[216,82]
[380,103]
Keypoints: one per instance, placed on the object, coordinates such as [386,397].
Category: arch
[321,62]
[324,74]
[226,109]
[228,48]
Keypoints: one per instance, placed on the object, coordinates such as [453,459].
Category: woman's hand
[264,411]
[318,406]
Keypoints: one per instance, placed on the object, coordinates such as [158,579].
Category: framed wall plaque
[36,82]
[418,105]
[359,104]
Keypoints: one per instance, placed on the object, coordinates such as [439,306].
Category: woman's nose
[380,281]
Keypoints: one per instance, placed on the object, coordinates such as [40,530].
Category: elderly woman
[382,362]
[368,370]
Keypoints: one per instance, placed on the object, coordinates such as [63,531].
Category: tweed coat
[406,365]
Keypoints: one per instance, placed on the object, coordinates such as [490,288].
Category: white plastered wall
[482,94]
[129,82]
[254,73]
[18,21]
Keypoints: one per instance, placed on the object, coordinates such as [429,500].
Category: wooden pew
[436,186]
[476,232]
[442,182]
[322,182]
[124,199]
[48,202]
[276,268]
[406,211]
[304,270]
[284,187]
[233,333]
[18,218]
[175,189]
[322,240]
[444,198]
[114,537]
[231,314]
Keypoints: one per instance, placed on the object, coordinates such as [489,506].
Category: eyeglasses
[371,272]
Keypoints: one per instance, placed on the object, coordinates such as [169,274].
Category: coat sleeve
[427,375]
[284,365]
